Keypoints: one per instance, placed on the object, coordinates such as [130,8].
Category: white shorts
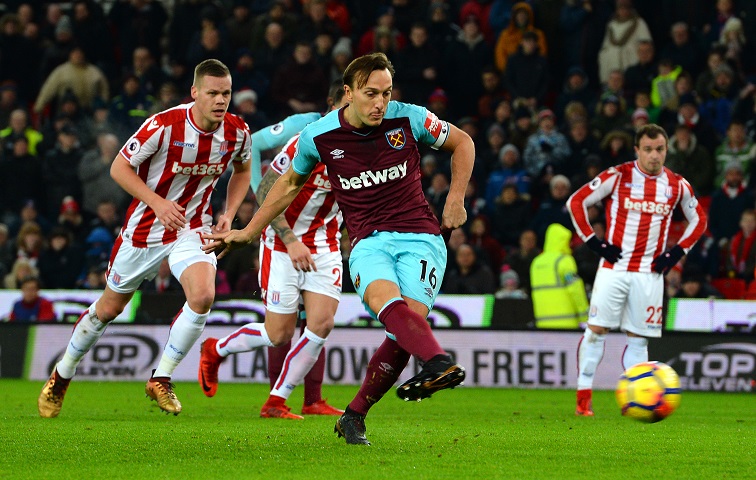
[129,266]
[282,284]
[629,301]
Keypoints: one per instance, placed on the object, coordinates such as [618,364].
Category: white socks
[185,331]
[636,351]
[248,337]
[590,352]
[88,330]
[298,363]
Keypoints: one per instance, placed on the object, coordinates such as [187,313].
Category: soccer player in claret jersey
[370,150]
[639,198]
[300,259]
[170,166]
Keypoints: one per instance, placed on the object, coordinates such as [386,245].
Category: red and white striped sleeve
[590,194]
[145,142]
[695,215]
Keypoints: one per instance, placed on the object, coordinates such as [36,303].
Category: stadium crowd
[550,91]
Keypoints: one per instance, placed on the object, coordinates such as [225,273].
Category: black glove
[610,252]
[667,260]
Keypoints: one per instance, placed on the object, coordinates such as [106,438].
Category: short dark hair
[29,279]
[210,67]
[651,131]
[336,92]
[358,71]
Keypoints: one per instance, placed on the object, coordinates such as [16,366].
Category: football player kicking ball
[399,257]
[627,294]
[170,166]
[300,258]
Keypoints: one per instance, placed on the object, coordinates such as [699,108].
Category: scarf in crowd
[739,248]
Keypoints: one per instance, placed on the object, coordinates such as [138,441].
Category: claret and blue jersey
[375,172]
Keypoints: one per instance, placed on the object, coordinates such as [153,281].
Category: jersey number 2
[654,315]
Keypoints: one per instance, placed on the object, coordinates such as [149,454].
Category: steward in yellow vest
[559,299]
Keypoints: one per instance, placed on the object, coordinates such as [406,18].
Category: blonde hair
[12,281]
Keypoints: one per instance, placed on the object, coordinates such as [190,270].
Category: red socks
[411,330]
[385,366]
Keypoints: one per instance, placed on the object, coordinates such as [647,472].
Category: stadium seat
[731,288]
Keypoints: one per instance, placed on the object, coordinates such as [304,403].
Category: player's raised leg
[87,331]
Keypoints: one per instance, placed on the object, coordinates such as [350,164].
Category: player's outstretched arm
[169,213]
[280,196]
[238,185]
[463,159]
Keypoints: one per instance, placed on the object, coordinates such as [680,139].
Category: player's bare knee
[598,330]
[201,303]
[320,327]
[108,311]
[280,337]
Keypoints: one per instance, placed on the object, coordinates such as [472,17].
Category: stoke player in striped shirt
[639,198]
[170,166]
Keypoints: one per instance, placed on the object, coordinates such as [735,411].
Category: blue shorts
[414,261]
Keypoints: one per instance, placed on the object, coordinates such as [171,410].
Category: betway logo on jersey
[321,182]
[369,178]
[647,206]
[197,168]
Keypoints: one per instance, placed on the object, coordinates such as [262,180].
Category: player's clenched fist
[454,215]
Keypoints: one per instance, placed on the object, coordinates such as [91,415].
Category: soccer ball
[648,391]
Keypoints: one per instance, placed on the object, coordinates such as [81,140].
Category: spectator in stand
[163,282]
[663,90]
[510,217]
[19,182]
[616,148]
[9,101]
[141,23]
[59,43]
[546,152]
[277,13]
[417,65]
[581,144]
[624,32]
[107,216]
[559,298]
[437,192]
[741,259]
[523,126]
[299,86]
[590,167]
[94,175]
[489,154]
[18,126]
[719,101]
[737,148]
[7,255]
[209,43]
[147,71]
[527,73]
[683,50]
[32,307]
[638,77]
[575,89]
[131,107]
[745,110]
[17,53]
[60,170]
[481,239]
[728,203]
[611,116]
[687,114]
[247,74]
[693,284]
[84,80]
[316,21]
[274,52]
[553,209]
[469,276]
[240,26]
[90,30]
[441,30]
[639,118]
[245,103]
[509,285]
[733,39]
[521,257]
[22,268]
[573,23]
[29,242]
[463,55]
[714,60]
[509,40]
[689,159]
[385,23]
[508,171]
[62,263]
[71,219]
[341,56]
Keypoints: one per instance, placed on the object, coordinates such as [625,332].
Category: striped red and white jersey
[638,213]
[180,162]
[313,216]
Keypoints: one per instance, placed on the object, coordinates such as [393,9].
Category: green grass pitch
[110,430]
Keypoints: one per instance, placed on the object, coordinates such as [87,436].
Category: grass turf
[111,430]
